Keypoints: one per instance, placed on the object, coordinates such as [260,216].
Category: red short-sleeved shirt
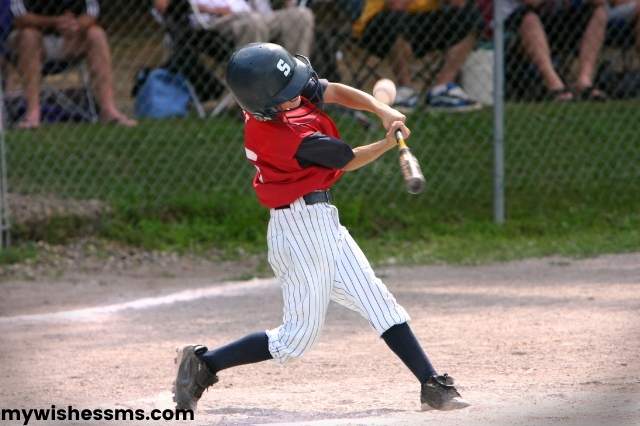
[271,147]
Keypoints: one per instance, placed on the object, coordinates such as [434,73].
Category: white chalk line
[234,288]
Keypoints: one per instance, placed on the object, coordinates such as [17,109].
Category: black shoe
[438,393]
[192,379]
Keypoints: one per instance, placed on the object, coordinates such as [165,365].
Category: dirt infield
[548,341]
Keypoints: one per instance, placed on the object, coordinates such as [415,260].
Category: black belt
[314,197]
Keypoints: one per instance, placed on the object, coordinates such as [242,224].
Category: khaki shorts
[53,46]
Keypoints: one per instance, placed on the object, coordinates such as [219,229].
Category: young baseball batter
[298,155]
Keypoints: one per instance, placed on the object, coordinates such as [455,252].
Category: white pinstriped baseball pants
[316,260]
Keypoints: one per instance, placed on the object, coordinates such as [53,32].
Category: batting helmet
[264,75]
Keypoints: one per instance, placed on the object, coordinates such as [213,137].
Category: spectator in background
[402,28]
[61,30]
[250,21]
[545,27]
[333,28]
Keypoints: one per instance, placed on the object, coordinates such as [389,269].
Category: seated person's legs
[580,28]
[243,28]
[293,28]
[381,37]
[93,42]
[590,46]
[28,43]
[381,33]
[453,29]
[533,39]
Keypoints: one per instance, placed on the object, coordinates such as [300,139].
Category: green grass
[578,233]
[17,254]
[572,176]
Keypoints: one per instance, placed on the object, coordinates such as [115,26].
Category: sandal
[29,120]
[591,93]
[560,95]
[28,124]
[120,120]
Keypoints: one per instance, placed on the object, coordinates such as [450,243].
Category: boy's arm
[347,96]
[366,154]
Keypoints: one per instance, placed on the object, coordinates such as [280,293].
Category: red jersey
[271,147]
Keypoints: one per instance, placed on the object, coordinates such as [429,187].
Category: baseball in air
[385,91]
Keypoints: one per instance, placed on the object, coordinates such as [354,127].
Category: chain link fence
[572,87]
[571,77]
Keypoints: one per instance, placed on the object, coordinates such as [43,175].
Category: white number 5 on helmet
[284,67]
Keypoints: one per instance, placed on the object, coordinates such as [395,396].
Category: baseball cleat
[438,393]
[192,378]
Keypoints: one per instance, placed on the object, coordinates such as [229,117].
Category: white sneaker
[451,98]
[406,99]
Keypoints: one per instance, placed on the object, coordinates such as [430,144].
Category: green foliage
[17,254]
[56,229]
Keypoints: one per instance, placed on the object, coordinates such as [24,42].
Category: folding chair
[619,70]
[170,45]
[83,109]
[187,38]
[620,33]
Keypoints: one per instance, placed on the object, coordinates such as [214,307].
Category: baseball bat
[385,91]
[413,177]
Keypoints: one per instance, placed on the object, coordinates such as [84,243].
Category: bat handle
[400,139]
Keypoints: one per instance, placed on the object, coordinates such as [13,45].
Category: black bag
[618,84]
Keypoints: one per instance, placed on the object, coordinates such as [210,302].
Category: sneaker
[406,99]
[451,98]
[192,379]
[438,393]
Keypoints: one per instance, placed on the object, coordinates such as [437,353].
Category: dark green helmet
[264,75]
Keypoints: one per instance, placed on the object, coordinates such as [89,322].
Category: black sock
[248,350]
[403,343]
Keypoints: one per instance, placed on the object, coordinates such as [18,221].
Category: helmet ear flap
[267,114]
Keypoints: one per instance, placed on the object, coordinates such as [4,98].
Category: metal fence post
[498,115]
[4,205]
